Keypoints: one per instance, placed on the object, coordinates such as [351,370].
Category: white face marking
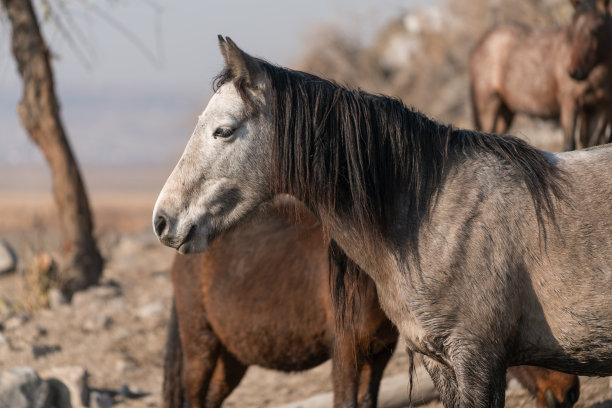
[222,175]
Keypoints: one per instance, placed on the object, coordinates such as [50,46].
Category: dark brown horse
[547,73]
[260,295]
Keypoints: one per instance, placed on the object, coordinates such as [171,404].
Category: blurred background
[131,77]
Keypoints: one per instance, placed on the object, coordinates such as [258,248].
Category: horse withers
[260,295]
[485,252]
[547,73]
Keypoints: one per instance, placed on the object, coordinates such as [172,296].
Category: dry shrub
[435,79]
[40,275]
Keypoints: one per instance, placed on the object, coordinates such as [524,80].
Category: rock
[8,259]
[21,387]
[69,385]
[5,347]
[151,309]
[97,322]
[127,391]
[100,400]
[3,341]
[86,297]
[125,365]
[15,322]
[57,299]
[41,350]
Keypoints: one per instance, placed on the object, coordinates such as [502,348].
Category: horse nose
[160,225]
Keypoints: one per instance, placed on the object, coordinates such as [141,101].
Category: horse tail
[172,392]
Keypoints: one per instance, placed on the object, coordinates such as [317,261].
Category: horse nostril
[190,234]
[160,225]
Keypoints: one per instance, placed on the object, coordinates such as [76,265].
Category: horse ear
[242,65]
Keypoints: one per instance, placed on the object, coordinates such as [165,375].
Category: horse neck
[346,234]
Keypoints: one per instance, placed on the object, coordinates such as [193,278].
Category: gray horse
[486,253]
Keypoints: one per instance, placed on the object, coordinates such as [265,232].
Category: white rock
[56,299]
[151,309]
[15,322]
[21,387]
[3,341]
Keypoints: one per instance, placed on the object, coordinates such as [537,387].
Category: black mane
[356,154]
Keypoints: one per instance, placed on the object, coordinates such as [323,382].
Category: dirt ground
[117,330]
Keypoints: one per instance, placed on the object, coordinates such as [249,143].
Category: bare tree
[40,114]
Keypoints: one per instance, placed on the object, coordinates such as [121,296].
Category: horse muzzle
[183,237]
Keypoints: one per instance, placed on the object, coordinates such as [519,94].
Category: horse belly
[267,330]
[534,95]
[528,79]
[274,348]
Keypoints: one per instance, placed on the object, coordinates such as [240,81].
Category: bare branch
[129,35]
[68,37]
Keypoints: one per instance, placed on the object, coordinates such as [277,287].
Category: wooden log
[393,393]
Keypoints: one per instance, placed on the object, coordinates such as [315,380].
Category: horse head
[590,36]
[223,173]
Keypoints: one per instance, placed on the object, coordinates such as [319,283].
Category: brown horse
[546,73]
[260,295]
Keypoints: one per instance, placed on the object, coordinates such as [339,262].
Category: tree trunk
[40,114]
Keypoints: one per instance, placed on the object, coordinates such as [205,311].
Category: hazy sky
[129,108]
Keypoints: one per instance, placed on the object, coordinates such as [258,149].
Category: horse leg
[445,381]
[201,349]
[488,112]
[481,377]
[600,123]
[568,123]
[506,116]
[172,391]
[606,132]
[346,367]
[371,375]
[228,374]
[584,124]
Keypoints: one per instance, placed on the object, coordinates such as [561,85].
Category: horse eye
[223,132]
